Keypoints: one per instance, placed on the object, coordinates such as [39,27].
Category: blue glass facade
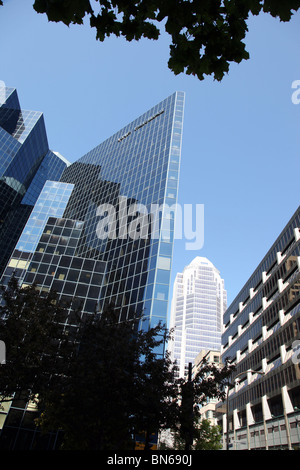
[51,168]
[137,165]
[26,163]
[62,247]
[51,203]
[132,172]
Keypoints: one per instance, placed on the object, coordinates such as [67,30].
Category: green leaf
[206,36]
[281,9]
[66,11]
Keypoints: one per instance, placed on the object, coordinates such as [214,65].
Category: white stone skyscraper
[198,304]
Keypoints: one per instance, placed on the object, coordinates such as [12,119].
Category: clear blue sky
[241,139]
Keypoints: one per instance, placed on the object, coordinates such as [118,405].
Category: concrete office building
[261,336]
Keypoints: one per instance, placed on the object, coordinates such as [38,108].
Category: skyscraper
[198,304]
[103,234]
[25,164]
[261,336]
[133,172]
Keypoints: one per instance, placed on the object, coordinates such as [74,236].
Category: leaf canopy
[206,36]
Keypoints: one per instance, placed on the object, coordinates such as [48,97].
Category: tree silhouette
[206,36]
[100,381]
[38,348]
[117,387]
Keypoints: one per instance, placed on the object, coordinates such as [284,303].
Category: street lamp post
[229,385]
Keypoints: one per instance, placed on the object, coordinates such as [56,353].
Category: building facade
[261,336]
[198,304]
[103,234]
[26,163]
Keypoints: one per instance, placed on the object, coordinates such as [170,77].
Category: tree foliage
[100,381]
[117,387]
[208,383]
[206,36]
[208,436]
[37,346]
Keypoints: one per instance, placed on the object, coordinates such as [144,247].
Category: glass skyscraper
[132,173]
[104,233]
[26,163]
[198,305]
